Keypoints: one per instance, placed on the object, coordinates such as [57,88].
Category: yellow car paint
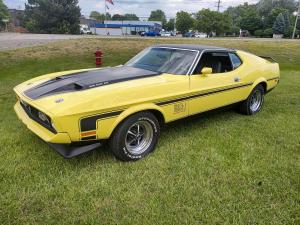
[171,96]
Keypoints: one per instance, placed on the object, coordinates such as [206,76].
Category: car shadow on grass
[187,124]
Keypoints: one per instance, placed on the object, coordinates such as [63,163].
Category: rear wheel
[254,102]
[135,137]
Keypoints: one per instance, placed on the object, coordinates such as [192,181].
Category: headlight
[24,103]
[53,126]
[43,117]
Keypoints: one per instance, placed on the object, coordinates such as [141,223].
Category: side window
[236,62]
[220,62]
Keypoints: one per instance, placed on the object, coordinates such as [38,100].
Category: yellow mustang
[76,111]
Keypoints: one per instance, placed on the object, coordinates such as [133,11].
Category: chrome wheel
[256,101]
[139,137]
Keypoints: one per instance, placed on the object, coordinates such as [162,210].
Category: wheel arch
[154,109]
[261,81]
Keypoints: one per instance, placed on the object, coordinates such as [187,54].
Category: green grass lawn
[221,168]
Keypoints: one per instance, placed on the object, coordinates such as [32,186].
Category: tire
[135,137]
[254,102]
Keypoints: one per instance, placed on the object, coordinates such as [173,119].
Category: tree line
[3,13]
[261,19]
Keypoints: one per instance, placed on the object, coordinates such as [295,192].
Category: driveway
[16,40]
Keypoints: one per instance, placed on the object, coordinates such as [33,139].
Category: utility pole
[295,27]
[175,24]
[219,5]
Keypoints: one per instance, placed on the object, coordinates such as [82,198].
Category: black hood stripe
[86,80]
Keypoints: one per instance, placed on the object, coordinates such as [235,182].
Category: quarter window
[220,62]
[236,62]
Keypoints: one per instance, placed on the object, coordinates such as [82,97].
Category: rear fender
[257,82]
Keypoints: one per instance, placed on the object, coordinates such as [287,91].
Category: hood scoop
[87,80]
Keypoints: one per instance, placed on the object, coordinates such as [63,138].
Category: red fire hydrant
[98,55]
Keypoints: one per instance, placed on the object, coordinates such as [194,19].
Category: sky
[142,8]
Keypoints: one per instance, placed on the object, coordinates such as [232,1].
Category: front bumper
[60,142]
[70,151]
[39,130]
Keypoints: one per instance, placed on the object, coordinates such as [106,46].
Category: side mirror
[206,71]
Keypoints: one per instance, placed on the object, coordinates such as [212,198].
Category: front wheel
[254,102]
[136,137]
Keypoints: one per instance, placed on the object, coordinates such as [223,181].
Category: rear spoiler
[268,58]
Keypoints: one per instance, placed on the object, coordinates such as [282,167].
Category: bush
[268,33]
[259,33]
[288,32]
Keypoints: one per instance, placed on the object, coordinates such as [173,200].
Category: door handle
[237,79]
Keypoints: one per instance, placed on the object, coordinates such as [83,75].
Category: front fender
[111,124]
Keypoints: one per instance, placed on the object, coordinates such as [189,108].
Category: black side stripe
[201,95]
[89,138]
[275,78]
[89,123]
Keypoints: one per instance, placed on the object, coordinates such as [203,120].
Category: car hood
[86,80]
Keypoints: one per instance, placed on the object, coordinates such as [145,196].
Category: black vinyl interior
[219,62]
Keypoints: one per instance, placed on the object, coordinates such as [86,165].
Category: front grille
[33,113]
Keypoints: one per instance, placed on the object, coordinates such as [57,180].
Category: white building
[125,27]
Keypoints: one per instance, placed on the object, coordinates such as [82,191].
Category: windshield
[164,60]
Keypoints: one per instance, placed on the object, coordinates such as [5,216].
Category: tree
[271,17]
[100,16]
[170,25]
[279,25]
[288,28]
[118,17]
[52,16]
[3,13]
[268,33]
[237,13]
[158,15]
[251,20]
[259,33]
[282,25]
[131,17]
[97,16]
[264,7]
[184,22]
[244,17]
[210,21]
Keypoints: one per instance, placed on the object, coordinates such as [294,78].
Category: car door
[220,88]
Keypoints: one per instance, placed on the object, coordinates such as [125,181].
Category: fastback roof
[193,47]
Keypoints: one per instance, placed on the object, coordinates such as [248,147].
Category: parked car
[85,30]
[151,34]
[189,34]
[76,111]
[165,34]
[200,35]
